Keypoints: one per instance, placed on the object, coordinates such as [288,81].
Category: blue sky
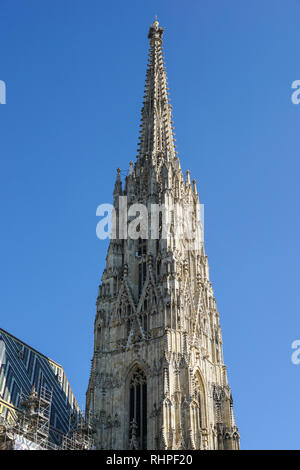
[74,72]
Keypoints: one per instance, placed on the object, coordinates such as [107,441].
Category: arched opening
[200,423]
[138,409]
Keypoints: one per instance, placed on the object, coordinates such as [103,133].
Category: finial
[188,179]
[194,186]
[118,183]
[156,23]
[155,31]
[130,167]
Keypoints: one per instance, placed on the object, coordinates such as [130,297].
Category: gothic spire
[156,135]
[158,375]
[118,184]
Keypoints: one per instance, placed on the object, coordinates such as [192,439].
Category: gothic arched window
[200,418]
[138,409]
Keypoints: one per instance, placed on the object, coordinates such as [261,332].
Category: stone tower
[158,380]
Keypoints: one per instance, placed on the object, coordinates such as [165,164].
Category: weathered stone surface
[157,329]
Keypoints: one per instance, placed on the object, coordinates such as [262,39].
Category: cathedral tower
[158,380]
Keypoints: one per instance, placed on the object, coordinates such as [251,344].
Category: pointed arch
[148,304]
[199,393]
[137,407]
[124,298]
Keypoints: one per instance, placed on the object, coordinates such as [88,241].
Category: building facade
[24,373]
[158,380]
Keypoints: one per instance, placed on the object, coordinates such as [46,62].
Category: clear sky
[74,72]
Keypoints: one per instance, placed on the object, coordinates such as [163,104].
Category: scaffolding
[82,436]
[35,416]
[32,426]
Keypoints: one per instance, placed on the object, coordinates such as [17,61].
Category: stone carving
[107,381]
[156,311]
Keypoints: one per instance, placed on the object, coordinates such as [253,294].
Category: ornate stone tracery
[158,380]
